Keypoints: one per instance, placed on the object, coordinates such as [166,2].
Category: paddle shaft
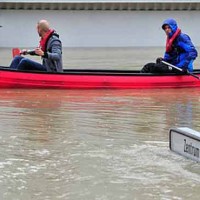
[18,52]
[179,69]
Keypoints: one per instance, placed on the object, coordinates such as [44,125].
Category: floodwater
[96,144]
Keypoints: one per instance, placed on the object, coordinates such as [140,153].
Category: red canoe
[94,79]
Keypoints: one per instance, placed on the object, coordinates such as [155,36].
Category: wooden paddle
[179,69]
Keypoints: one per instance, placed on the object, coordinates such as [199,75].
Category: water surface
[96,144]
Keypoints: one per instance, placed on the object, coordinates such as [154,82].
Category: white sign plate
[185,142]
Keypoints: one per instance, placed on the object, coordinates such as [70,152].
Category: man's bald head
[43,27]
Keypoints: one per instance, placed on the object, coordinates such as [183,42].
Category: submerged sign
[185,142]
[190,149]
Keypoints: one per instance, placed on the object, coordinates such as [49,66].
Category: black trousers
[158,68]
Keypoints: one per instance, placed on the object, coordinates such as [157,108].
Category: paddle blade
[16,52]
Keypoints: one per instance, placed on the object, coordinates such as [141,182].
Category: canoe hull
[94,79]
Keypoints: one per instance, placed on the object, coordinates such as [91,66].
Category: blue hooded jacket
[183,52]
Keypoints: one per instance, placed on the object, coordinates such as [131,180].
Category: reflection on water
[96,144]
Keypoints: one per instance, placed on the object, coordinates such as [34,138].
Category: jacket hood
[56,34]
[171,23]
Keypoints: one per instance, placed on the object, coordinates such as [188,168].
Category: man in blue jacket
[50,50]
[180,51]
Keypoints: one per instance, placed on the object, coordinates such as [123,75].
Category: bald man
[50,50]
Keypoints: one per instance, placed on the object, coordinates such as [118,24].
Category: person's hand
[39,52]
[23,52]
[185,70]
[159,60]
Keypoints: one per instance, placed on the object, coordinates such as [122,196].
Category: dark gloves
[159,60]
[185,70]
[184,66]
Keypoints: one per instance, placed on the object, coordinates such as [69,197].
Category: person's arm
[188,49]
[56,51]
[169,57]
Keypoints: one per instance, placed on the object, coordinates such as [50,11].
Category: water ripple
[103,144]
